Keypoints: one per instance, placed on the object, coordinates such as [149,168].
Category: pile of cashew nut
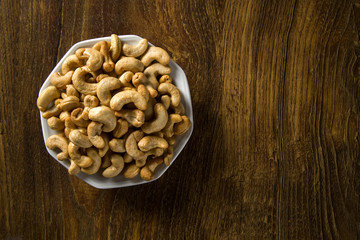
[115,108]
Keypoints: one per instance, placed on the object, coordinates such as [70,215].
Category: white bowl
[97,180]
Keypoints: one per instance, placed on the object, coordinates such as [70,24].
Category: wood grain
[275,150]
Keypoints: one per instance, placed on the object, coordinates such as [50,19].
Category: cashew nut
[116,166]
[69,126]
[153,152]
[180,109]
[183,126]
[147,172]
[166,100]
[127,158]
[76,117]
[104,88]
[135,50]
[121,128]
[115,47]
[79,139]
[169,128]
[69,103]
[149,111]
[155,69]
[131,171]
[104,150]
[94,59]
[81,85]
[64,115]
[128,64]
[70,63]
[161,118]
[94,132]
[131,145]
[125,97]
[89,102]
[55,123]
[106,162]
[169,155]
[74,168]
[140,79]
[155,53]
[104,48]
[144,92]
[71,91]
[92,153]
[75,155]
[165,79]
[58,141]
[46,97]
[125,79]
[60,81]
[105,116]
[172,90]
[53,111]
[117,145]
[135,117]
[149,142]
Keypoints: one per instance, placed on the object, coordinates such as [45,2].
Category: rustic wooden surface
[275,151]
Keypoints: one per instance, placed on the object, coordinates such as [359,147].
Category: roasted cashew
[94,59]
[64,115]
[104,88]
[140,79]
[161,118]
[77,119]
[171,140]
[53,111]
[60,81]
[125,97]
[172,90]
[125,79]
[166,100]
[131,171]
[104,48]
[79,139]
[169,155]
[127,158]
[105,116]
[58,141]
[147,172]
[69,126]
[135,117]
[144,92]
[81,85]
[122,126]
[71,63]
[180,109]
[153,152]
[117,145]
[117,165]
[131,145]
[153,70]
[46,97]
[115,47]
[74,151]
[128,64]
[92,153]
[135,50]
[55,124]
[71,91]
[69,103]
[94,132]
[169,127]
[104,150]
[74,168]
[149,142]
[165,79]
[89,102]
[75,155]
[155,53]
[183,126]
[106,161]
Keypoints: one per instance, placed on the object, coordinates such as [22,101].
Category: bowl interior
[97,180]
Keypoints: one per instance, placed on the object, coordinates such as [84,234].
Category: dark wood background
[275,151]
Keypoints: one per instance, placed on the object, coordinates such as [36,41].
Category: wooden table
[275,150]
